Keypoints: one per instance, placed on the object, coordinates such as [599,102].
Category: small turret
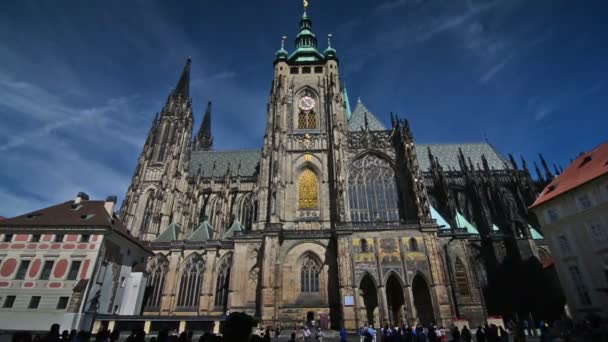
[204,139]
[330,52]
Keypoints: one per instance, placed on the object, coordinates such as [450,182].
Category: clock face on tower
[306,103]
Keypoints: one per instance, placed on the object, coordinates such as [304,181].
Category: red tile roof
[86,214]
[585,168]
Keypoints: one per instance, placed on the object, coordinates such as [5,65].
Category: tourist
[343,335]
[455,334]
[237,327]
[362,333]
[480,335]
[53,334]
[319,335]
[465,334]
[307,334]
[267,335]
[277,332]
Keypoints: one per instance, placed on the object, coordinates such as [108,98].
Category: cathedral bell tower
[305,124]
[152,200]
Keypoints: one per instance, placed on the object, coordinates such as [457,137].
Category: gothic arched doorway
[395,300]
[422,300]
[370,299]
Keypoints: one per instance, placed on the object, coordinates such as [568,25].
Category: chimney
[81,197]
[110,204]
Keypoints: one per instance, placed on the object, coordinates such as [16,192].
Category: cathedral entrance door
[422,300]
[395,299]
[369,292]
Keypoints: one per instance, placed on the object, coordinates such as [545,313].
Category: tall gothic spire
[183,85]
[204,139]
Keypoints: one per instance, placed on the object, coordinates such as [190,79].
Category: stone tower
[153,199]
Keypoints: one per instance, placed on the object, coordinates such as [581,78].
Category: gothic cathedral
[337,219]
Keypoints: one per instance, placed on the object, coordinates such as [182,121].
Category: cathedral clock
[306,103]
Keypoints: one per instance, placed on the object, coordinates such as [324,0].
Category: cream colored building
[573,211]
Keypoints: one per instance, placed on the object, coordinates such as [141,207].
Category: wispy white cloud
[489,75]
[542,108]
[457,20]
[391,5]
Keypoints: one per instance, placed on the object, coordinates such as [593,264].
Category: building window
[85,237]
[308,189]
[293,70]
[34,302]
[584,202]
[8,302]
[372,192]
[25,264]
[307,119]
[364,245]
[579,285]
[306,70]
[309,275]
[157,269]
[223,282]
[74,268]
[62,303]
[564,245]
[35,238]
[59,237]
[318,70]
[462,281]
[413,245]
[190,281]
[598,232]
[7,238]
[552,215]
[46,270]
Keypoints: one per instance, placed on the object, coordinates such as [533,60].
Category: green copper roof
[536,235]
[306,44]
[495,228]
[348,112]
[204,232]
[443,224]
[236,227]
[463,223]
[170,234]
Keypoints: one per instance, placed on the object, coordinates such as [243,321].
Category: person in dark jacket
[480,335]
[465,334]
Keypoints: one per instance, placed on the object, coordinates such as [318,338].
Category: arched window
[413,245]
[223,282]
[364,245]
[309,275]
[148,213]
[190,281]
[462,281]
[308,190]
[372,194]
[157,268]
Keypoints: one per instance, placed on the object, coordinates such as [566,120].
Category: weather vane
[305,4]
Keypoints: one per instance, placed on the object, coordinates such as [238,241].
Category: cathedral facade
[336,219]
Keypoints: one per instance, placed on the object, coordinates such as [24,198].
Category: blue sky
[80,81]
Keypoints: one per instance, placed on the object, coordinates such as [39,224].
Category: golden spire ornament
[305,4]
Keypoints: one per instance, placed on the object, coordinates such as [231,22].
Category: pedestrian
[343,335]
[455,334]
[307,334]
[465,335]
[480,335]
[277,332]
[53,334]
[319,335]
[267,335]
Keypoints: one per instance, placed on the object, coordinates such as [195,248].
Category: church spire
[183,85]
[204,139]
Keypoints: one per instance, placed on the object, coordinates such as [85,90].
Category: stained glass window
[372,194]
[462,281]
[307,120]
[223,282]
[157,269]
[308,189]
[309,275]
[190,281]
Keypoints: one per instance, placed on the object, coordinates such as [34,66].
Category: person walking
[465,334]
[480,335]
[319,335]
[343,335]
[455,334]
